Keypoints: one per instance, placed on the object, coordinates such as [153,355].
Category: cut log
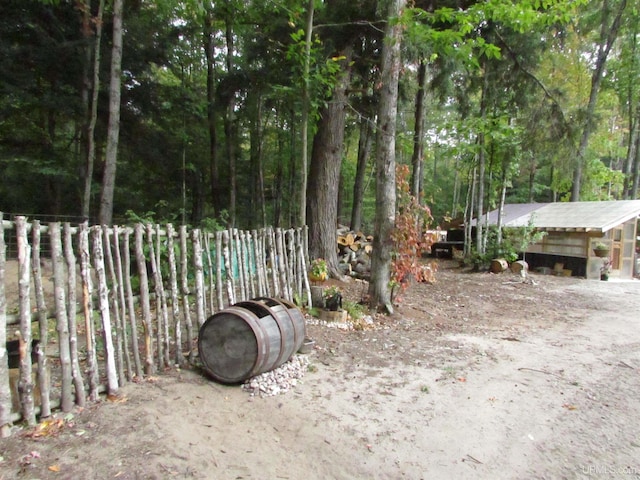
[499,265]
[520,267]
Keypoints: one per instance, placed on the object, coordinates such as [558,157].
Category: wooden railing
[110,304]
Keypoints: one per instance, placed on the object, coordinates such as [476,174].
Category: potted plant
[605,269]
[319,270]
[332,298]
[601,249]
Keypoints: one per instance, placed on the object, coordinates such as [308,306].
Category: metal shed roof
[569,216]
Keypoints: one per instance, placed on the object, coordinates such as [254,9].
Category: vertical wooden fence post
[144,301]
[197,263]
[164,310]
[123,347]
[62,320]
[131,311]
[87,308]
[282,263]
[44,382]
[105,316]
[237,256]
[258,257]
[25,385]
[159,294]
[184,287]
[248,259]
[113,301]
[303,270]
[210,277]
[273,259]
[5,391]
[219,263]
[175,306]
[76,372]
[228,267]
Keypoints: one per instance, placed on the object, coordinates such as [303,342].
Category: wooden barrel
[250,338]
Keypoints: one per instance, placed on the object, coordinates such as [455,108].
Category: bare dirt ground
[478,376]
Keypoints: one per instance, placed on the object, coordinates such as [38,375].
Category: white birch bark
[105,314]
[25,384]
[76,372]
[144,301]
[197,263]
[5,391]
[226,254]
[133,323]
[43,365]
[115,305]
[62,320]
[123,347]
[87,308]
[175,305]
[237,254]
[219,263]
[184,290]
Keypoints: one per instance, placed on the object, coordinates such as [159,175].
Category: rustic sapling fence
[111,303]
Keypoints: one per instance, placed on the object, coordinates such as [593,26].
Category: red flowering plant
[409,237]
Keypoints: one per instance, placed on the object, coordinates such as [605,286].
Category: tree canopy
[221,103]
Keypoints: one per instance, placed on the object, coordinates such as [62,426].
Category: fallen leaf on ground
[46,428]
[117,398]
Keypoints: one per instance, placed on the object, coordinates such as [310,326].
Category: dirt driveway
[478,376]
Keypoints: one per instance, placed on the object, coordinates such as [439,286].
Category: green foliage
[323,69]
[210,224]
[493,249]
[355,310]
[515,240]
[331,292]
[537,64]
[519,238]
[319,268]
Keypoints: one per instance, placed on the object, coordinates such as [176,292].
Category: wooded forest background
[217,113]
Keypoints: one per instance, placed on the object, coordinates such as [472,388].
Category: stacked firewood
[354,252]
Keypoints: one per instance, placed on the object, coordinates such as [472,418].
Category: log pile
[354,252]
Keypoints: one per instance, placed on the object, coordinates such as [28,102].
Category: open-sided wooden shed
[573,229]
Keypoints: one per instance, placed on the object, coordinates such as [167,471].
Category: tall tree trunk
[364,148]
[292,182]
[633,106]
[481,159]
[279,175]
[229,122]
[608,35]
[634,133]
[456,187]
[636,170]
[324,173]
[214,168]
[197,196]
[92,106]
[417,159]
[384,223]
[113,131]
[304,168]
[258,207]
[85,90]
